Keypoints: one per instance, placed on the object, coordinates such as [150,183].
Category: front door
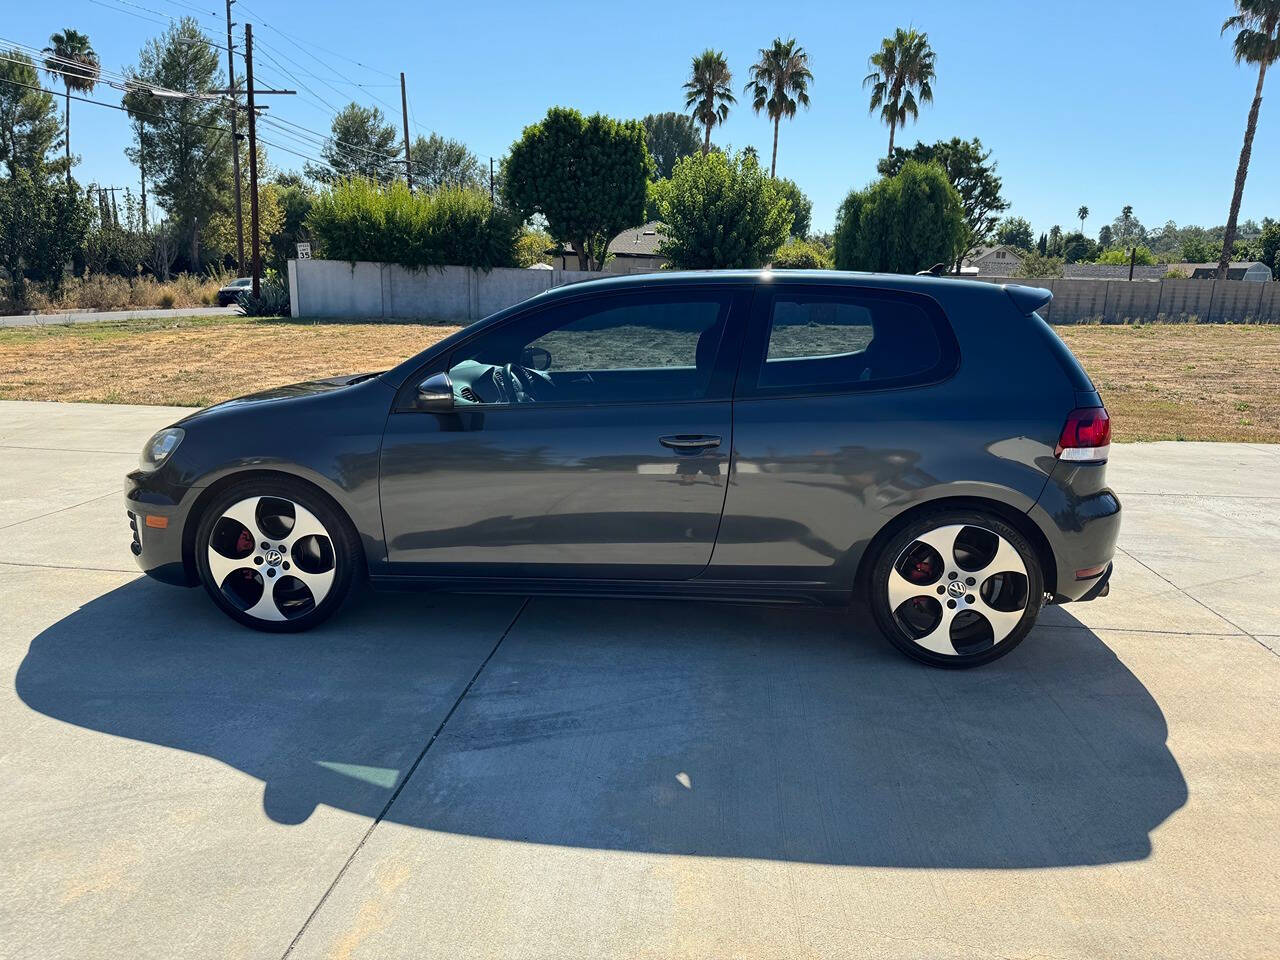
[590,438]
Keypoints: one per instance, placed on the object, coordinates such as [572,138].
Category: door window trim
[724,371]
[759,327]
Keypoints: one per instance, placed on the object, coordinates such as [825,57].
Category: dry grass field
[1167,382]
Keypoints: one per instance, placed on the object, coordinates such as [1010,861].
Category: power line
[113,106]
[296,43]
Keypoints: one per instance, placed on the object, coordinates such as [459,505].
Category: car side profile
[925,445]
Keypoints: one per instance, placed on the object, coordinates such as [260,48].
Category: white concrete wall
[362,290]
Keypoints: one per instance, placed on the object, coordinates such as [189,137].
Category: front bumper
[157,514]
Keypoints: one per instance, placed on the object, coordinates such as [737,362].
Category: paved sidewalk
[457,777]
[100,316]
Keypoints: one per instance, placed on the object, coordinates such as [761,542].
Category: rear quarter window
[833,340]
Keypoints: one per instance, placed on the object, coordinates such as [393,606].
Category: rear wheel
[956,588]
[276,555]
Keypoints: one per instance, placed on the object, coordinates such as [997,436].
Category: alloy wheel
[958,590]
[271,557]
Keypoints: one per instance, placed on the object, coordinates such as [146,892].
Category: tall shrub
[359,220]
[901,224]
[721,211]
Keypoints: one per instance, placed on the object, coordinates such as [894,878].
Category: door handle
[683,442]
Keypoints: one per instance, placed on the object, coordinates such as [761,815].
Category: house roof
[979,252]
[639,241]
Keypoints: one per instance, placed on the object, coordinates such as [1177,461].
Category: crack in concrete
[403,783]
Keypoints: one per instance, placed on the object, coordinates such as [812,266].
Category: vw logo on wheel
[956,588]
[274,558]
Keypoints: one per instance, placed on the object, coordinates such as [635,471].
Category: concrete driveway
[460,777]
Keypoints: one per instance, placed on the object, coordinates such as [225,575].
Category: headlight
[158,448]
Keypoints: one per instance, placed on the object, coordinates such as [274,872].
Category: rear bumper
[157,518]
[1080,517]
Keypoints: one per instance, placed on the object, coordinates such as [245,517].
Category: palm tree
[70,58]
[1257,40]
[709,92]
[901,73]
[1083,214]
[779,81]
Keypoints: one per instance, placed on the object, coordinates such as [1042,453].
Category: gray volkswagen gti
[926,445]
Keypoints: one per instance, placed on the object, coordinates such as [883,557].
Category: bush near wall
[802,255]
[360,220]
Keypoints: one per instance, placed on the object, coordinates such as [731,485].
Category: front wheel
[956,588]
[275,555]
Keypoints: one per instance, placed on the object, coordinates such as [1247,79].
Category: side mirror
[435,393]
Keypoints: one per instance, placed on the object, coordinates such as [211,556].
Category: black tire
[978,653]
[347,555]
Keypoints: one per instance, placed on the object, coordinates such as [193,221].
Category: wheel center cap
[956,588]
[274,558]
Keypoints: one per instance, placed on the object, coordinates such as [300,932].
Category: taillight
[1086,436]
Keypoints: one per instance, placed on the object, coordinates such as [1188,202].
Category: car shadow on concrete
[668,727]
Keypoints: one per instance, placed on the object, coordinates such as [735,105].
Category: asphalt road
[456,777]
[99,316]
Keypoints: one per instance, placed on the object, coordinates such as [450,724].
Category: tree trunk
[1242,171]
[706,141]
[773,167]
[68,135]
[584,261]
[892,124]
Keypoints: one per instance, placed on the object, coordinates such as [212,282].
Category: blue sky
[1096,103]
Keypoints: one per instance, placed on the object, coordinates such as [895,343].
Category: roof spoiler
[1027,299]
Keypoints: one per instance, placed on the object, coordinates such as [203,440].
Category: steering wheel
[527,384]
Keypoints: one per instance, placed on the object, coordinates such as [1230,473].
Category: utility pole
[235,144]
[404,112]
[491,179]
[142,167]
[253,160]
[255,242]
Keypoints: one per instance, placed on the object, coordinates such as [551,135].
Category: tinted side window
[835,340]
[610,349]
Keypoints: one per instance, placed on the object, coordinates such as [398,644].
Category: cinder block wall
[371,291]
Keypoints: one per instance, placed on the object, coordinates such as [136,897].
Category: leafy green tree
[901,78]
[1257,41]
[709,91]
[71,59]
[1036,266]
[1270,244]
[1077,248]
[670,137]
[43,221]
[439,162]
[1042,247]
[1054,246]
[718,211]
[1015,232]
[29,127]
[1082,215]
[1127,230]
[532,246]
[802,255]
[801,207]
[586,175]
[901,224]
[185,140]
[362,143]
[1105,237]
[1116,255]
[971,171]
[295,197]
[1199,250]
[779,82]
